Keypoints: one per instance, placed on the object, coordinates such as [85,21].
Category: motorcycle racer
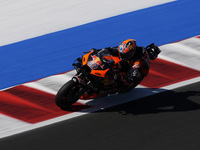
[135,62]
[107,71]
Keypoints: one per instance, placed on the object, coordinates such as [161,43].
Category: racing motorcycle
[96,71]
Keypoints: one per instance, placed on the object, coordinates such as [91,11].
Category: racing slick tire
[67,95]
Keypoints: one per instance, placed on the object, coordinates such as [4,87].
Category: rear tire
[67,95]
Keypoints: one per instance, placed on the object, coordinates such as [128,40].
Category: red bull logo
[96,60]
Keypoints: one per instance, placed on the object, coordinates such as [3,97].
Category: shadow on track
[168,101]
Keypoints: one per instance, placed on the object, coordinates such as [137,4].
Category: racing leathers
[130,73]
[133,70]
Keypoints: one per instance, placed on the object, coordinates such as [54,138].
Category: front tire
[67,95]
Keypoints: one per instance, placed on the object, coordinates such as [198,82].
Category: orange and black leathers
[136,67]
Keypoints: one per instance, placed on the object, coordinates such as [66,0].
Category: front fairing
[100,62]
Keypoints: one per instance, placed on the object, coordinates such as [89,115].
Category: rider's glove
[134,75]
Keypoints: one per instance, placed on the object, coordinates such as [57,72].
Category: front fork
[81,87]
[84,84]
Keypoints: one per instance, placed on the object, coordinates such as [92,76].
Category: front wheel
[68,94]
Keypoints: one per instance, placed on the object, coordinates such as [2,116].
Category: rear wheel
[67,95]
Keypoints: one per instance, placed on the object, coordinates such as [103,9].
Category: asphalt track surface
[168,120]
